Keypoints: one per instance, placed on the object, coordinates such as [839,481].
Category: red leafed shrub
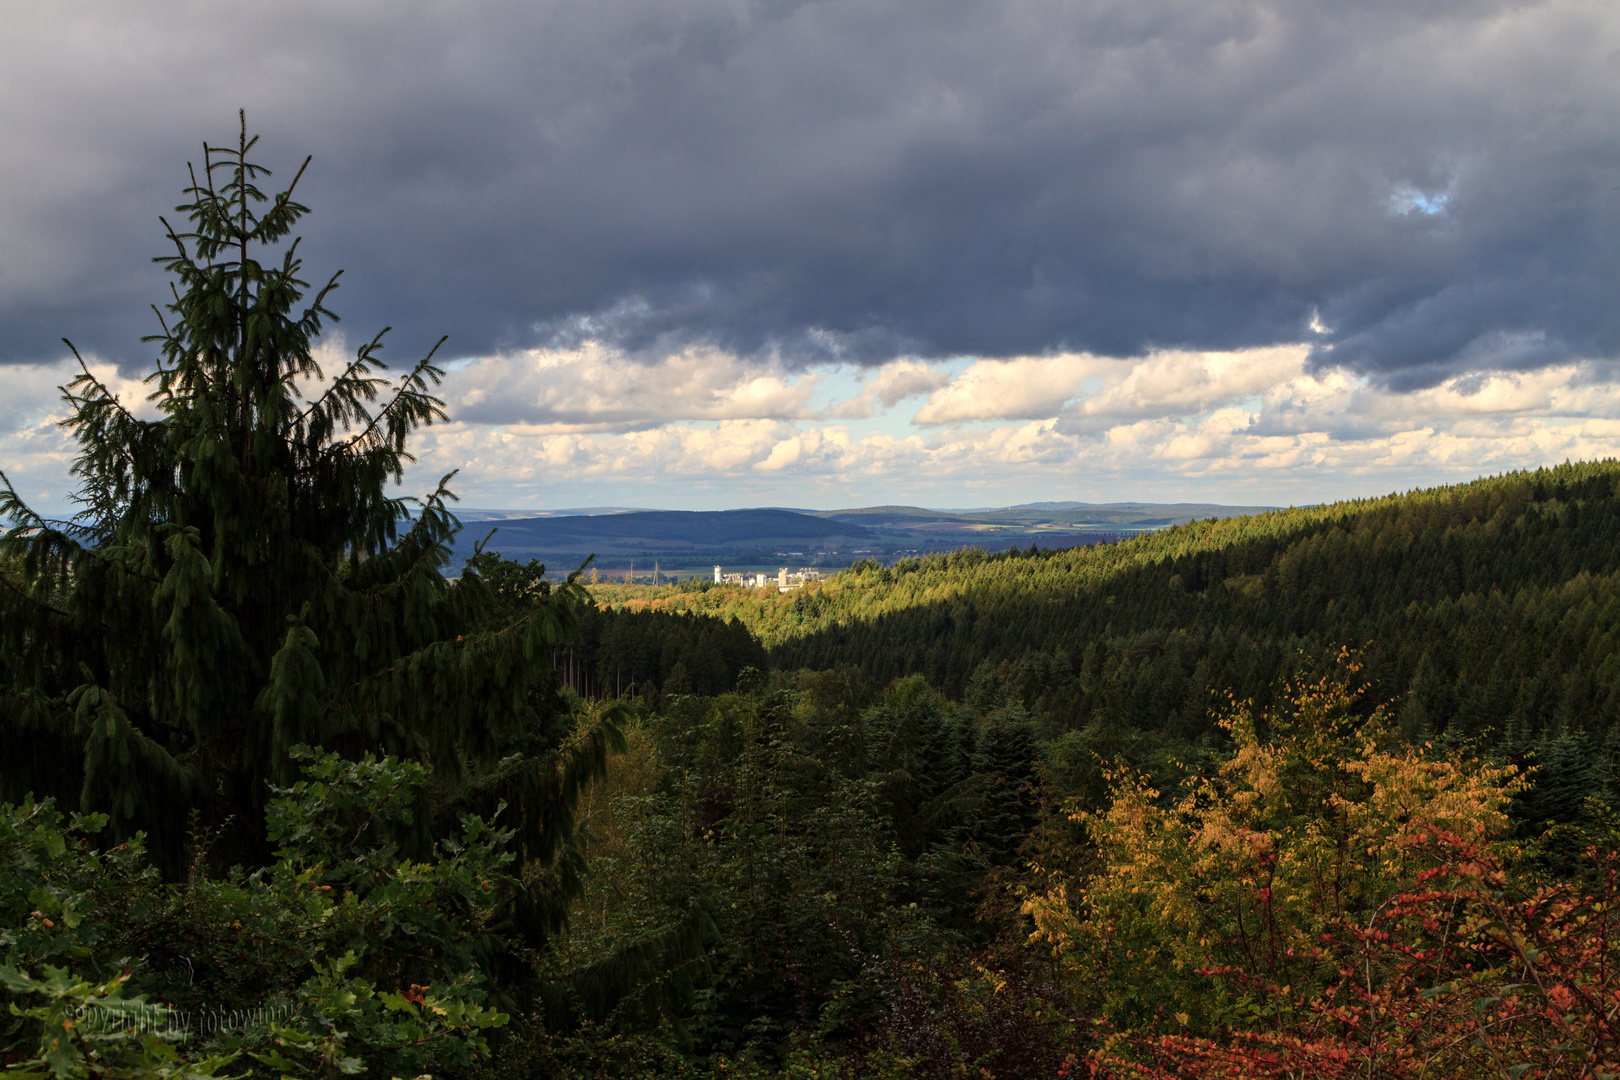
[1458,975]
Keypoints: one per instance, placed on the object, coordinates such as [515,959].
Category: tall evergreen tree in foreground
[240,581]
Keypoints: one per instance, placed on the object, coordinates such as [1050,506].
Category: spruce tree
[1005,758]
[240,578]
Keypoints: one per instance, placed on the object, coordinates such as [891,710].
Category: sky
[722,253]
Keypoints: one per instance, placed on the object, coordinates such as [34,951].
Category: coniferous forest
[1323,792]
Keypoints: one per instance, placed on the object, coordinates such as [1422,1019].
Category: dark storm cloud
[1435,181]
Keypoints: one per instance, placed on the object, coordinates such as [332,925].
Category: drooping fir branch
[410,399]
[340,403]
[45,548]
[112,442]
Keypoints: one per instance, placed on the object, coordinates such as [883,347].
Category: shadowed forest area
[1321,792]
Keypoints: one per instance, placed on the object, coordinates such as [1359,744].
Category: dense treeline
[814,818]
[658,652]
[903,885]
[1484,607]
[819,877]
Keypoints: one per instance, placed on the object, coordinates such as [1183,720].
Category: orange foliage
[1316,821]
[1448,978]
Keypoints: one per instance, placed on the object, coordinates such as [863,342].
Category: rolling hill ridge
[830,537]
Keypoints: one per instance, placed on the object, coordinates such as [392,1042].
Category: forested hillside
[1484,607]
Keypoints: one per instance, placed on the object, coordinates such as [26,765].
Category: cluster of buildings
[783,580]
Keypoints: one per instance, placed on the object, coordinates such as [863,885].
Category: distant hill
[473,513]
[660,532]
[618,536]
[1056,516]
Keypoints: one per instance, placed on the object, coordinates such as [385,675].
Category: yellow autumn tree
[1318,816]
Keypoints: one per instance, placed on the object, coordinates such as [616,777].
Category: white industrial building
[785,580]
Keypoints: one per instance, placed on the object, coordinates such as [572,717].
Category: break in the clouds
[588,426]
[1258,425]
[1431,184]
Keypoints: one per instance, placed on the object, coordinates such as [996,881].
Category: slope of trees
[1484,607]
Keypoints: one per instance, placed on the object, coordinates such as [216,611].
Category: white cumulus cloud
[597,388]
[891,384]
[1027,388]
